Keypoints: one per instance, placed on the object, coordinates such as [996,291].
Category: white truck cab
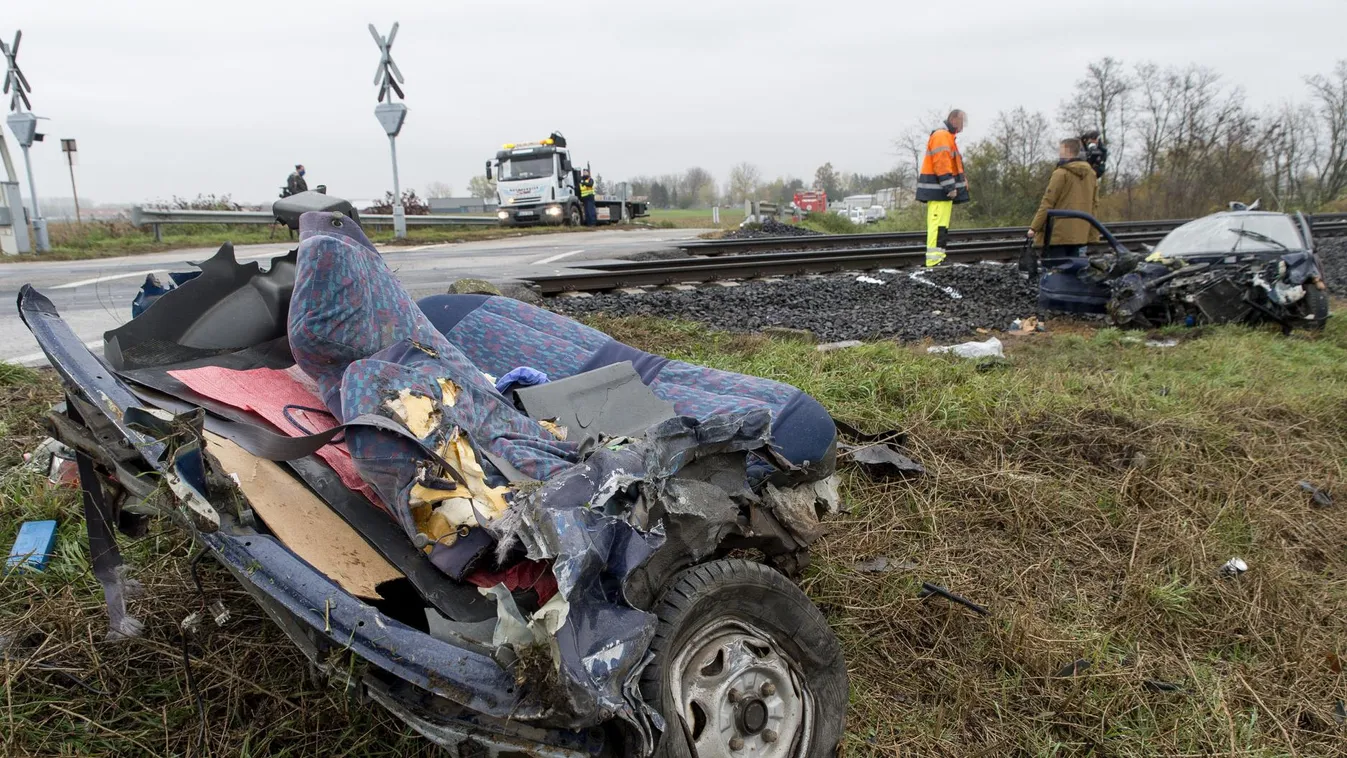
[537,183]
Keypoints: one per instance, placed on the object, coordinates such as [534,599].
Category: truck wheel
[744,664]
[573,216]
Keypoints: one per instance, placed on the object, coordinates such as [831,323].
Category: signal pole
[391,115]
[24,125]
[68,147]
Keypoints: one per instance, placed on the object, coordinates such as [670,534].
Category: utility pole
[24,125]
[391,115]
[68,147]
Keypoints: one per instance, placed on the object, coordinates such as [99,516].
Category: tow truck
[537,183]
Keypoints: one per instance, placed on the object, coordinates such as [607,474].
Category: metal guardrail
[142,216]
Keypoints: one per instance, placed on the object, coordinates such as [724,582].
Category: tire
[573,217]
[1316,302]
[724,611]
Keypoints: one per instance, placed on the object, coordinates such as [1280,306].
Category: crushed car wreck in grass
[1241,266]
[341,448]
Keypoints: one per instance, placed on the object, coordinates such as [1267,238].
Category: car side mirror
[488,170]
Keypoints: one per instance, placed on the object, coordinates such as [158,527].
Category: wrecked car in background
[1240,266]
[509,529]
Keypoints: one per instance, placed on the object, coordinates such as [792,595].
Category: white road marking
[111,277]
[557,257]
[41,357]
[400,249]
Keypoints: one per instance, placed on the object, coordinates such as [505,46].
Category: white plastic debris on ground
[1162,343]
[844,344]
[991,348]
[918,276]
[869,280]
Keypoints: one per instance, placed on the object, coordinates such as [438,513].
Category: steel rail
[1328,221]
[603,276]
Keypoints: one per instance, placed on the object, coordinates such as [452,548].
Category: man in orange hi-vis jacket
[941,184]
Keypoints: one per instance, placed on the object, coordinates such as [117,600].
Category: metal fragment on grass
[1234,567]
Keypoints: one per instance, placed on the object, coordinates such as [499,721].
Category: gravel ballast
[846,306]
[838,307]
[770,228]
[1333,254]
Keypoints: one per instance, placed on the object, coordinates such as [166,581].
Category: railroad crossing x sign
[16,86]
[387,76]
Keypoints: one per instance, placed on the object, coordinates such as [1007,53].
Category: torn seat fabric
[356,331]
[500,334]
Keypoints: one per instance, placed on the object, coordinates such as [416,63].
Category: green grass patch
[694,218]
[1087,491]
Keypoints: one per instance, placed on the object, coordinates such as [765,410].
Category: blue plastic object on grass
[33,546]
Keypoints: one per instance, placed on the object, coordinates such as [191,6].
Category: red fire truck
[813,201]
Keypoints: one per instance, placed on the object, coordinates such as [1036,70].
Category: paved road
[95,296]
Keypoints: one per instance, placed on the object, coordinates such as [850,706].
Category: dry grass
[1087,492]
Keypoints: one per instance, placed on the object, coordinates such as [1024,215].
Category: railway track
[1331,224]
[822,254]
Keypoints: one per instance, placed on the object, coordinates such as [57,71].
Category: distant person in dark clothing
[1096,152]
[295,184]
[587,196]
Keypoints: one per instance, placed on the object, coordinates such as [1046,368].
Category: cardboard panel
[303,522]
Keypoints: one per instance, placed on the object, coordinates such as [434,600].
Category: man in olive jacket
[1073,187]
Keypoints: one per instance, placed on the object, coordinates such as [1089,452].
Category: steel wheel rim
[739,694]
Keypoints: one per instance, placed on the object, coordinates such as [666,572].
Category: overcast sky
[185,96]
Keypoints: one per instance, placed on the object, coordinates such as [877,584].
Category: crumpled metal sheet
[602,521]
[882,461]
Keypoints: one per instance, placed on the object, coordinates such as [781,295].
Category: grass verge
[1087,490]
[694,218]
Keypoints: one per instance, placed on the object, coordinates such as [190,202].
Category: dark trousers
[591,213]
[1063,251]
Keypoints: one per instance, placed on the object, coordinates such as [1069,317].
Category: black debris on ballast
[1333,254]
[838,307]
[770,228]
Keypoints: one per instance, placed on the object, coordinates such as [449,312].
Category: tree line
[1182,142]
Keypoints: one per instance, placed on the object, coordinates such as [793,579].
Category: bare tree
[439,189]
[1156,92]
[1025,138]
[1102,100]
[1200,145]
[1008,170]
[1290,140]
[744,181]
[827,180]
[912,140]
[480,186]
[697,187]
[1330,148]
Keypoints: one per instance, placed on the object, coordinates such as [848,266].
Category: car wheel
[1316,302]
[744,664]
[573,218]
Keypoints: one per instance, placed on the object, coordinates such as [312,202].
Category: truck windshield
[526,167]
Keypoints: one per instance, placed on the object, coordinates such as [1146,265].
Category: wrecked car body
[556,584]
[1240,266]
